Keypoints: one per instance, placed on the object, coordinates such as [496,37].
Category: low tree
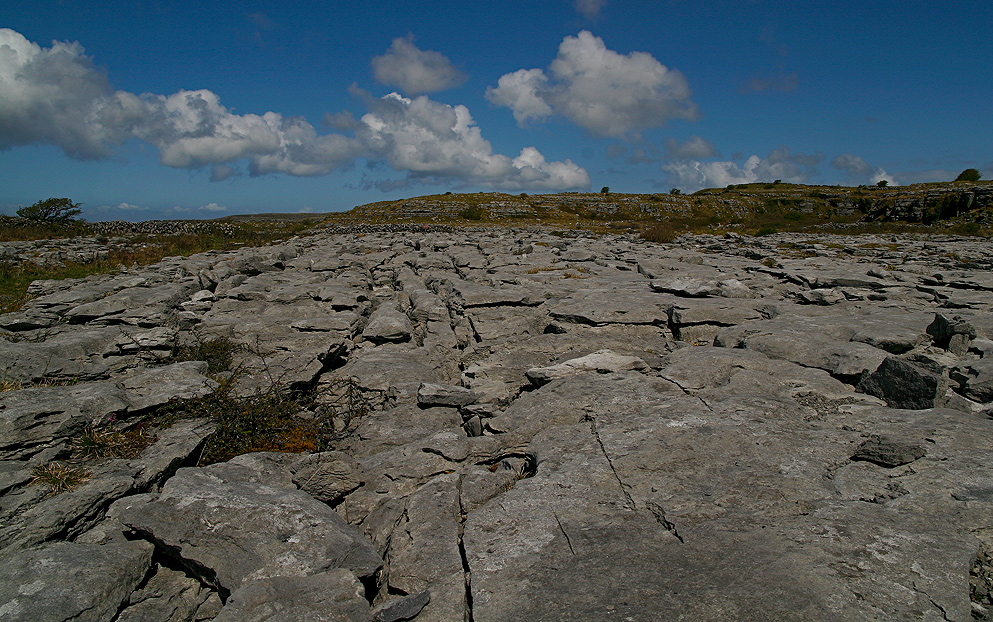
[51,210]
[882,183]
[969,174]
[675,191]
[605,190]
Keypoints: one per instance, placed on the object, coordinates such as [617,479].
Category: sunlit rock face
[496,424]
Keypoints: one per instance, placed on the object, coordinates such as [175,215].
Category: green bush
[473,212]
[969,174]
[51,210]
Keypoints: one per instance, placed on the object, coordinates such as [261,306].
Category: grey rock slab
[327,476]
[699,368]
[894,331]
[821,296]
[429,394]
[174,447]
[390,374]
[944,329]
[976,378]
[402,608]
[69,514]
[331,596]
[155,386]
[68,581]
[232,530]
[601,362]
[168,596]
[501,322]
[888,452]
[34,419]
[807,342]
[424,549]
[407,423]
[686,287]
[472,294]
[621,305]
[62,357]
[387,324]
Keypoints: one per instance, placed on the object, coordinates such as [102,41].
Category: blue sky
[155,109]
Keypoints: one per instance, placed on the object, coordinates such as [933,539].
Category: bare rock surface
[546,427]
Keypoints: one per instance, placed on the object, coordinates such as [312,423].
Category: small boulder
[903,384]
[953,334]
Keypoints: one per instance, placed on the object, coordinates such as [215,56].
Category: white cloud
[432,140]
[861,170]
[522,92]
[55,95]
[692,148]
[589,8]
[214,207]
[780,164]
[608,93]
[414,70]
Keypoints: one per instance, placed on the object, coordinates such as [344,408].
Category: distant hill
[788,206]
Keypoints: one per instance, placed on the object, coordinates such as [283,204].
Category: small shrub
[473,212]
[769,262]
[969,174]
[663,232]
[268,420]
[766,231]
[675,191]
[882,183]
[59,477]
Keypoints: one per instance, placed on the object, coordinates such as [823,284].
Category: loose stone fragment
[429,394]
[601,361]
[888,452]
[405,608]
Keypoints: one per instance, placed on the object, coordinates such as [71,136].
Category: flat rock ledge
[555,427]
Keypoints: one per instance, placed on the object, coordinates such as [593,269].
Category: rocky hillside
[743,205]
[494,424]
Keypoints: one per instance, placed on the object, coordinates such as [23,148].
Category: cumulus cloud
[860,169]
[780,164]
[414,70]
[433,141]
[55,96]
[693,148]
[589,8]
[214,207]
[607,93]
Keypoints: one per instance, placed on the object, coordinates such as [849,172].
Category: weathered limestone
[567,426]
